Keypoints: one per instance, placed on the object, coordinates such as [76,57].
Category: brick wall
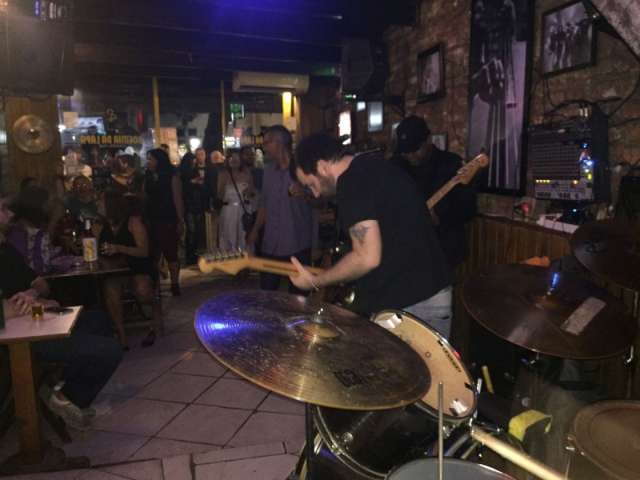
[448,21]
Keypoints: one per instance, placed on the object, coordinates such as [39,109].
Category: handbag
[248,219]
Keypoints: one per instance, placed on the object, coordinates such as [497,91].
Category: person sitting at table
[28,234]
[88,357]
[125,235]
[81,201]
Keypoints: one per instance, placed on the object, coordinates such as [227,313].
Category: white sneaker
[72,415]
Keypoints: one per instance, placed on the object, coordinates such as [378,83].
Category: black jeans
[195,236]
[89,356]
[270,281]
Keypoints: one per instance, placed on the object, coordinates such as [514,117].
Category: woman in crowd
[125,235]
[235,186]
[124,176]
[165,212]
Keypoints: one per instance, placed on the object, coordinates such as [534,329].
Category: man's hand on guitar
[304,279]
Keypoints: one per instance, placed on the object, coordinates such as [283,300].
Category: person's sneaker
[72,415]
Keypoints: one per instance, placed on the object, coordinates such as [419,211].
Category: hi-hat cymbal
[567,317]
[610,249]
[311,351]
[32,134]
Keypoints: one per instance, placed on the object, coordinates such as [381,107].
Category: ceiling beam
[285,25]
[203,43]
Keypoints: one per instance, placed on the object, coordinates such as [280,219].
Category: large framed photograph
[500,50]
[568,39]
[431,73]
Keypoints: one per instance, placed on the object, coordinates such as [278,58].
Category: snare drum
[372,443]
[427,469]
[607,434]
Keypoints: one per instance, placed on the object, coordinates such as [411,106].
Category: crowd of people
[402,255]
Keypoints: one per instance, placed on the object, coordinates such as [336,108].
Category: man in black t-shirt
[431,168]
[395,259]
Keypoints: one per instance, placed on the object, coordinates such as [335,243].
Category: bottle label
[90,249]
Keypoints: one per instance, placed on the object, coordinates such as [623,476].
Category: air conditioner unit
[270,82]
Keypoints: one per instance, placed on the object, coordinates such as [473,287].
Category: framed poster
[431,73]
[500,53]
[568,39]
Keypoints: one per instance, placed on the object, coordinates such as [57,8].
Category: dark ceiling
[190,45]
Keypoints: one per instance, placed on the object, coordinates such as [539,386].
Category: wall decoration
[431,73]
[568,39]
[500,50]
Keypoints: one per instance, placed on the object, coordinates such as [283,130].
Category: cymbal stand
[309,447]
[630,361]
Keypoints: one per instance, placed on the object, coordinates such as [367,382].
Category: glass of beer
[37,311]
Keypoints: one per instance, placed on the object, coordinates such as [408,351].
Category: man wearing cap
[431,168]
[395,259]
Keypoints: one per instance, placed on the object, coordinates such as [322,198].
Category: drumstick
[522,460]
[487,378]
[440,430]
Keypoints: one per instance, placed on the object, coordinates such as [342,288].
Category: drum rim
[505,476]
[335,447]
[420,403]
[580,424]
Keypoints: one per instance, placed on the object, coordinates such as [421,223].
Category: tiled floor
[172,412]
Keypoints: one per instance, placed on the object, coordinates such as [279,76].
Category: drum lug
[346,438]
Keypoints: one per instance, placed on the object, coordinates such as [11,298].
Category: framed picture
[439,140]
[568,39]
[431,73]
[499,52]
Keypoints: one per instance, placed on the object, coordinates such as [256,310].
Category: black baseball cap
[411,133]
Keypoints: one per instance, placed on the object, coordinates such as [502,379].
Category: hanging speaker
[36,53]
[364,67]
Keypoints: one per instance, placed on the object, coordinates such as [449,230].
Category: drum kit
[381,402]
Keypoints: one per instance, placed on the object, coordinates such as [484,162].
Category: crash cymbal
[32,134]
[311,351]
[555,314]
[610,249]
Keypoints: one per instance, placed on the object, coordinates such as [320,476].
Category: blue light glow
[218,326]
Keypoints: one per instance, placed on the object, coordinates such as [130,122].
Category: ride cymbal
[555,314]
[311,351]
[610,249]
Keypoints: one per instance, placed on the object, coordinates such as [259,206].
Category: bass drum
[373,443]
[427,469]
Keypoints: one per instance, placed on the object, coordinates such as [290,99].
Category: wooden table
[18,334]
[95,272]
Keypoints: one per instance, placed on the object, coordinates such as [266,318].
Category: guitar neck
[277,267]
[439,195]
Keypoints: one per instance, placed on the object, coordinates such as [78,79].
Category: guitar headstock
[227,262]
[469,169]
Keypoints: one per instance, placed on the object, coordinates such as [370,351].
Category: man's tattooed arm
[359,232]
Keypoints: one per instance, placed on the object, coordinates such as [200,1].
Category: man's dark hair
[283,135]
[319,146]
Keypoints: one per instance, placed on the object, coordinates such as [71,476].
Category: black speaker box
[36,56]
[364,67]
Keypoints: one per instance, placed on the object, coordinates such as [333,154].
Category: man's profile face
[320,185]
[271,146]
[201,156]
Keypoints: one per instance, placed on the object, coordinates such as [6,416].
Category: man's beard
[327,186]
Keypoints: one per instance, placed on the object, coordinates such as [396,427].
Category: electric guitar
[463,177]
[234,262]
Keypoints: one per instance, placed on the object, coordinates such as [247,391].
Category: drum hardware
[440,430]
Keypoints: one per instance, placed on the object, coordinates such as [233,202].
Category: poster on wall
[498,96]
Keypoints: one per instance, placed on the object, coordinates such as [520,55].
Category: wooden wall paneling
[44,166]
